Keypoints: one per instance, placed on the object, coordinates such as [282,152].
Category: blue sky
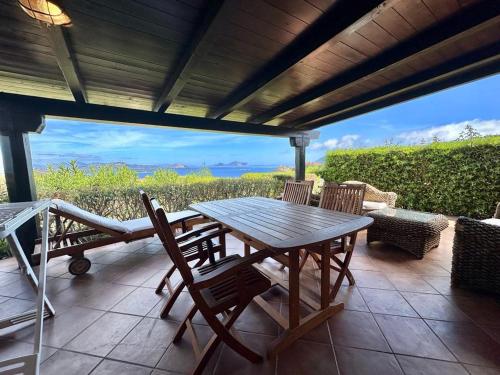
[443,114]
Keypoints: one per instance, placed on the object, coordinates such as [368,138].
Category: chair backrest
[344,198]
[162,227]
[298,192]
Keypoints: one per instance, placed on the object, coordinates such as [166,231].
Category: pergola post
[300,143]
[15,123]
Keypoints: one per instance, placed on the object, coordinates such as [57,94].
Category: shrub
[113,191]
[454,178]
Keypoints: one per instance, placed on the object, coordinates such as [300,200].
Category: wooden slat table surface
[284,227]
[281,226]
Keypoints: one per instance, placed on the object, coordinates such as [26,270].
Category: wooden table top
[281,225]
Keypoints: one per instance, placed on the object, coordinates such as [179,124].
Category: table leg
[325,276]
[294,289]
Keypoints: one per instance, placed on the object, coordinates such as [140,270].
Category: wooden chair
[343,198]
[203,249]
[225,286]
[298,192]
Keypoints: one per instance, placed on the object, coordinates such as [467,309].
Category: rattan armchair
[376,199]
[476,254]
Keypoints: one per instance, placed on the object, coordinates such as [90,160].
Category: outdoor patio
[400,317]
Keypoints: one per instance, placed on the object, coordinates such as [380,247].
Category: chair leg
[304,254]
[342,274]
[349,275]
[163,281]
[182,327]
[171,300]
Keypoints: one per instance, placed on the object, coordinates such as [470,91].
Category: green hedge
[124,203]
[453,178]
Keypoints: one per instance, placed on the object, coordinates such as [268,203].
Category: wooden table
[282,227]
[12,216]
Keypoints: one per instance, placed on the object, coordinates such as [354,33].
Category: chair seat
[225,295]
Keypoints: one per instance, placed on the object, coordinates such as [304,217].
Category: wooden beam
[475,65]
[212,21]
[60,43]
[342,17]
[469,20]
[102,113]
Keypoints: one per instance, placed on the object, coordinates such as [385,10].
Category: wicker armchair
[376,199]
[476,254]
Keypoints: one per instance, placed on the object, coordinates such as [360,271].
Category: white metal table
[12,216]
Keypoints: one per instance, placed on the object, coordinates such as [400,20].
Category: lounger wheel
[79,266]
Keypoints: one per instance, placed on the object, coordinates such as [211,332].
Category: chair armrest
[497,212]
[199,240]
[196,232]
[231,269]
[280,197]
[391,199]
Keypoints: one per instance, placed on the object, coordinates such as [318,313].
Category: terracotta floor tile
[351,298]
[386,302]
[408,283]
[104,334]
[146,343]
[180,358]
[420,366]
[366,362]
[16,348]
[232,363]
[67,324]
[139,302]
[371,279]
[478,370]
[494,332]
[107,257]
[357,329]
[255,320]
[483,310]
[318,334]
[434,306]
[468,342]
[306,357]
[411,336]
[137,276]
[441,283]
[108,367]
[64,362]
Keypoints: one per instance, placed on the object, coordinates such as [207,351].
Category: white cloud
[346,141]
[450,132]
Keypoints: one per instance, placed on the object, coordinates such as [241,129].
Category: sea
[226,171]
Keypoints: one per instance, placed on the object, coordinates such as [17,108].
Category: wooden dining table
[282,228]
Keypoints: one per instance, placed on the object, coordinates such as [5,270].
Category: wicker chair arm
[497,212]
[231,269]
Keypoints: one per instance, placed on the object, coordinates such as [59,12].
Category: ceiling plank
[214,17]
[60,43]
[341,18]
[468,21]
[474,65]
[118,115]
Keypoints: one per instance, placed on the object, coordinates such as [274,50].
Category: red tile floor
[402,317]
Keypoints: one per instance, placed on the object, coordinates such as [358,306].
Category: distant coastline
[233,169]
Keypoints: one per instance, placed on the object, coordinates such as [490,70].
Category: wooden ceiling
[295,64]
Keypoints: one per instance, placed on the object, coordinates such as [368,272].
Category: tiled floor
[402,317]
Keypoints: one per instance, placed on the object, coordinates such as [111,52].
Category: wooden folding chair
[298,192]
[223,287]
[343,198]
[198,253]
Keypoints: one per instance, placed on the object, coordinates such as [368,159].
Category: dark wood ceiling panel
[126,50]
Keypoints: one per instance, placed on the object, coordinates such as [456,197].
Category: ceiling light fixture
[47,11]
